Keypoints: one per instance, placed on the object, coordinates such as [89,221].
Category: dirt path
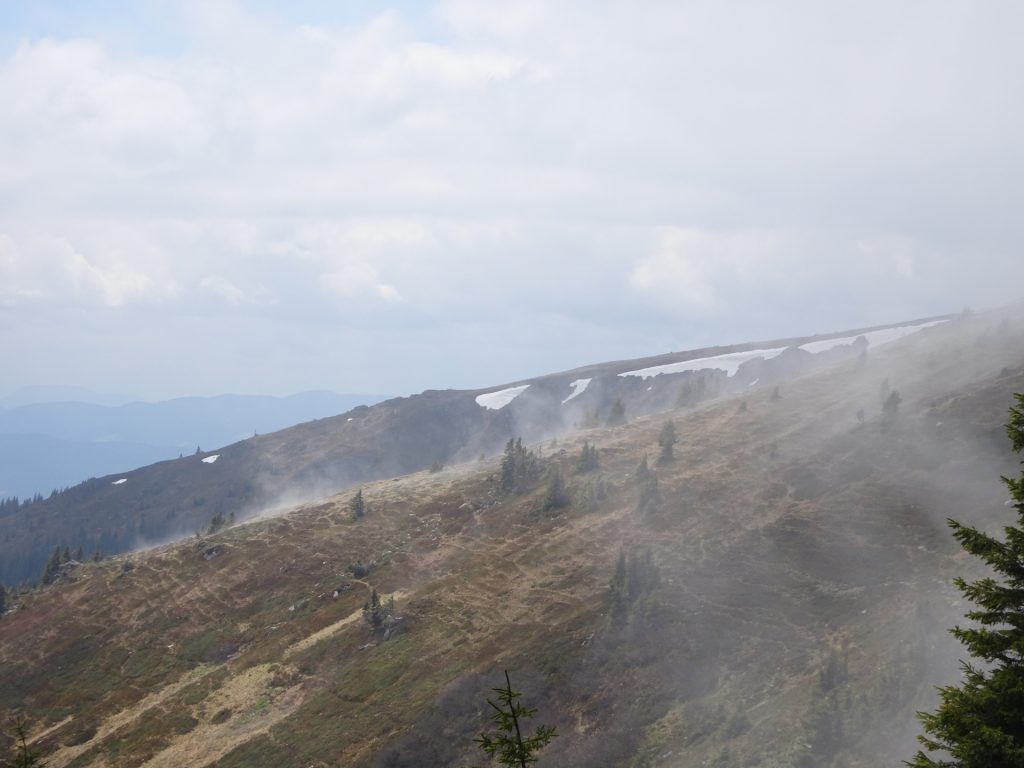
[247,704]
[331,629]
[125,717]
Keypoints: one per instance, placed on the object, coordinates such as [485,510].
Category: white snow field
[730,363]
[122,481]
[578,387]
[873,338]
[211,459]
[495,401]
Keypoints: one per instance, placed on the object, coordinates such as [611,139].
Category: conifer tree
[3,599]
[357,505]
[891,406]
[520,467]
[588,459]
[556,495]
[26,757]
[666,440]
[508,745]
[980,722]
[52,566]
[643,471]
[617,414]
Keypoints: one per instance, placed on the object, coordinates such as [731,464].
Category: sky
[259,197]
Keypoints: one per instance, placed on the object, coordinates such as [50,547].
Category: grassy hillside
[170,499]
[797,619]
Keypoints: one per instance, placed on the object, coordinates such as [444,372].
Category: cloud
[485,170]
[223,288]
[359,279]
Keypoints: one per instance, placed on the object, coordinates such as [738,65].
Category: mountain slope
[798,618]
[175,498]
[88,439]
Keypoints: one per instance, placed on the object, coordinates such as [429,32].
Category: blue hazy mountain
[47,445]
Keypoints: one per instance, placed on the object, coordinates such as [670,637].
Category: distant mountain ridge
[47,445]
[396,437]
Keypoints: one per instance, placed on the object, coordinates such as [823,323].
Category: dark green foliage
[377,613]
[556,495]
[775,394]
[216,523]
[3,599]
[357,506]
[642,472]
[636,576]
[25,757]
[507,744]
[359,569]
[52,568]
[436,467]
[617,414]
[647,482]
[590,493]
[666,440]
[79,554]
[520,468]
[980,723]
[588,459]
[891,406]
[742,408]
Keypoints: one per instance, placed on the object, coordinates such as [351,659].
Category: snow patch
[495,401]
[730,363]
[578,387]
[211,459]
[876,338]
[122,481]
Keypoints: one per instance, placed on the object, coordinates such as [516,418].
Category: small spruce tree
[357,506]
[891,406]
[666,440]
[588,459]
[25,757]
[508,744]
[643,471]
[980,722]
[617,414]
[52,567]
[3,599]
[556,495]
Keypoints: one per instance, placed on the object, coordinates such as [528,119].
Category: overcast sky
[205,197]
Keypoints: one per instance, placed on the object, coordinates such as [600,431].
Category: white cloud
[356,280]
[607,168]
[223,288]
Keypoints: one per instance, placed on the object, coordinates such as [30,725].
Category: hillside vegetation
[775,593]
[164,501]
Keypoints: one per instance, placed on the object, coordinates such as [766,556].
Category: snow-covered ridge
[730,362]
[578,387]
[873,338]
[211,459]
[122,481]
[495,401]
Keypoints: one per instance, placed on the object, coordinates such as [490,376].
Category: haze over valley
[450,383]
